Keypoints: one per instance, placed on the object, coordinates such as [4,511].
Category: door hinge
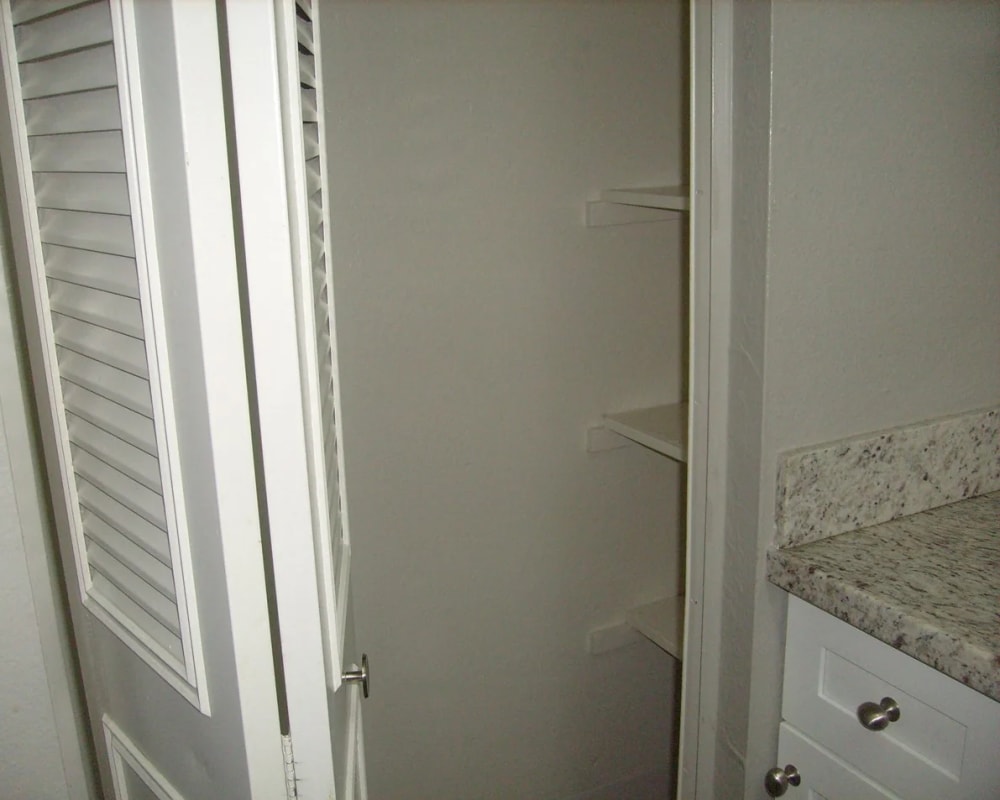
[291,792]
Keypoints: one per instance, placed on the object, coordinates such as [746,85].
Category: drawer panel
[824,776]
[928,733]
[945,741]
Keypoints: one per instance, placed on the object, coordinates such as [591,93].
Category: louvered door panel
[102,193]
[98,270]
[104,309]
[78,152]
[299,46]
[116,385]
[129,524]
[74,29]
[78,71]
[123,352]
[94,273]
[80,112]
[27,10]
[126,458]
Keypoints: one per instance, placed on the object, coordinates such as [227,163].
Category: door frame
[710,258]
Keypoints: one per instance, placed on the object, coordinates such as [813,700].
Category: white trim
[215,278]
[157,360]
[124,754]
[252,31]
[710,258]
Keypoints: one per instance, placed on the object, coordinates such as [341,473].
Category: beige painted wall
[31,763]
[882,294]
[43,749]
[482,329]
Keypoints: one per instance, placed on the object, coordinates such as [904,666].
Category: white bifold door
[165,182]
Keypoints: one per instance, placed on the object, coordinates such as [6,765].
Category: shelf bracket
[602,214]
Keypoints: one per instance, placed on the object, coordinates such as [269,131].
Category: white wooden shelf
[660,428]
[675,198]
[662,623]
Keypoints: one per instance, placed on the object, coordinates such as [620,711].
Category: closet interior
[510,234]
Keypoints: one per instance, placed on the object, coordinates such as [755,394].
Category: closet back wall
[482,329]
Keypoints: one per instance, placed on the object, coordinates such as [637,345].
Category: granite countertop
[928,584]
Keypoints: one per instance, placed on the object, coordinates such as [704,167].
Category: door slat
[310,136]
[107,309]
[118,386]
[303,29]
[98,192]
[133,462]
[79,112]
[168,641]
[27,10]
[98,270]
[308,105]
[154,572]
[73,30]
[151,601]
[143,533]
[307,70]
[123,352]
[130,493]
[73,72]
[103,233]
[134,428]
[78,152]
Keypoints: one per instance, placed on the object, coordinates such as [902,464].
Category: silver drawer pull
[777,780]
[877,716]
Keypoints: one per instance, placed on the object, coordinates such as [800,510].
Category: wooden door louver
[299,47]
[73,89]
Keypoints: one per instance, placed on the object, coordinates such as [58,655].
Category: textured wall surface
[31,760]
[31,763]
[482,329]
[883,291]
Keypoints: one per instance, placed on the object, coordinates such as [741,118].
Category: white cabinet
[943,744]
[822,775]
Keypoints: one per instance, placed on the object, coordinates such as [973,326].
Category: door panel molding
[128,760]
[85,192]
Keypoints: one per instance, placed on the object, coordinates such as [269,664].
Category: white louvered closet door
[277,75]
[308,188]
[117,181]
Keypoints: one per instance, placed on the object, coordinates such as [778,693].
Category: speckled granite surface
[928,584]
[859,482]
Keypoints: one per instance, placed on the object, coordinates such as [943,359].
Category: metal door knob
[777,780]
[358,675]
[877,716]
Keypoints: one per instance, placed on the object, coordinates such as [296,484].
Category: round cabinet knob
[877,716]
[777,780]
[358,675]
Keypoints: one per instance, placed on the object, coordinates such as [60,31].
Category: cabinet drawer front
[824,776]
[945,741]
